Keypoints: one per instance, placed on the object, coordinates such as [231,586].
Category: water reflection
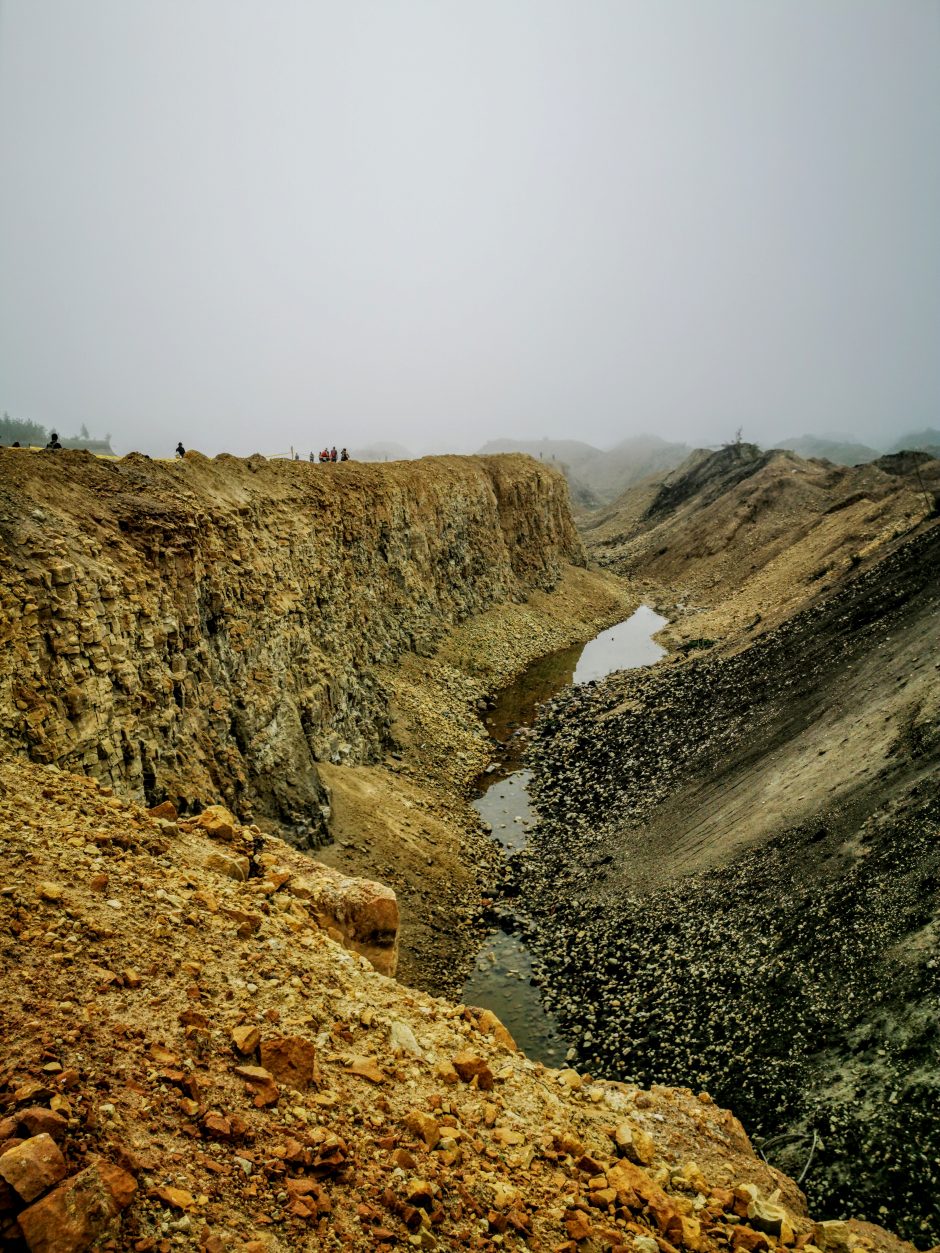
[626,646]
[500,981]
[506,810]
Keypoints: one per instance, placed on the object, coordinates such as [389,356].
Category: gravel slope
[734,882]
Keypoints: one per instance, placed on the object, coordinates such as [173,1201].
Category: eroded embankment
[407,820]
[210,630]
[734,883]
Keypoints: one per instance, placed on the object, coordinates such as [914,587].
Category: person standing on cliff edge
[180,450]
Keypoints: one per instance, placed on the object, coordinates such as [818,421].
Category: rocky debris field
[193,1060]
[733,883]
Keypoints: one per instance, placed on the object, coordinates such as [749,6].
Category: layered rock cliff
[207,630]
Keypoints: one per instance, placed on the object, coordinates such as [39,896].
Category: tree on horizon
[24,431]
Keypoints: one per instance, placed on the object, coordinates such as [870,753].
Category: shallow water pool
[503,969]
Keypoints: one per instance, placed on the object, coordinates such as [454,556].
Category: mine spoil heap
[733,882]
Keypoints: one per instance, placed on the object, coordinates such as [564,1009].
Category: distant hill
[630,461]
[927,440]
[568,452]
[844,450]
[597,476]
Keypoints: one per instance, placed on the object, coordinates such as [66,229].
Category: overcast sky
[250,224]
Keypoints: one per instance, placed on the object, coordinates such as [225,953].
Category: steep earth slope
[734,879]
[261,634]
[747,536]
[209,630]
[597,477]
[191,1061]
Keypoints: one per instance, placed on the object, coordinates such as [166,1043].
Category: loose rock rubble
[191,1061]
[733,881]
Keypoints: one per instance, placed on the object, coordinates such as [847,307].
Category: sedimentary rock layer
[206,630]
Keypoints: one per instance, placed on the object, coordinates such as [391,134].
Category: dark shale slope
[734,881]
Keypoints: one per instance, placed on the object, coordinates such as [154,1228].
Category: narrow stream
[503,978]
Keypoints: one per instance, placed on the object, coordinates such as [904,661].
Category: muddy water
[503,979]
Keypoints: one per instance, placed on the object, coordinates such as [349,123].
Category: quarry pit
[730,884]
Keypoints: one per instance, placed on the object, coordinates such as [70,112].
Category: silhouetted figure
[344,455]
[180,450]
[312,456]
[53,441]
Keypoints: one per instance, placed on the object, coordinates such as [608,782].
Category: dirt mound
[746,537]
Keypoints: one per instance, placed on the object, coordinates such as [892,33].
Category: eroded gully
[504,978]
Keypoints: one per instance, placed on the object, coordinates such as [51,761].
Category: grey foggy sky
[249,224]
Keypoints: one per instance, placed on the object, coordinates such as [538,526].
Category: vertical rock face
[205,630]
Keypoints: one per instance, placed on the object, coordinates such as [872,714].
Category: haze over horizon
[250,226]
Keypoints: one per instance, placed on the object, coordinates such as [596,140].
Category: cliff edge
[208,630]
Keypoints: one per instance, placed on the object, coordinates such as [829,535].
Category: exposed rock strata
[209,630]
